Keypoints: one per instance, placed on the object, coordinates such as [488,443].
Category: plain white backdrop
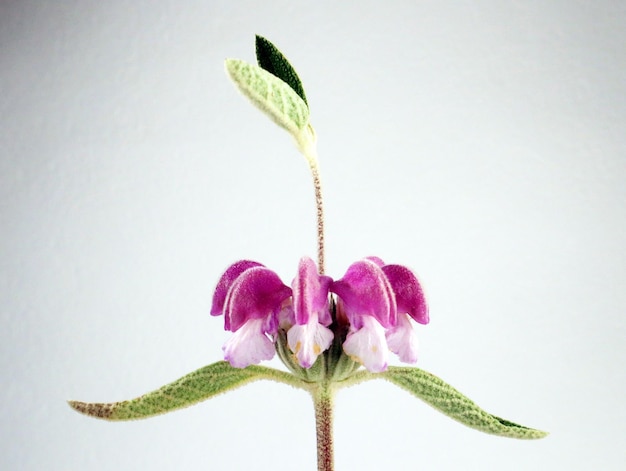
[481,143]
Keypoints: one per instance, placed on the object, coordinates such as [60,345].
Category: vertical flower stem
[320,216]
[307,145]
[323,400]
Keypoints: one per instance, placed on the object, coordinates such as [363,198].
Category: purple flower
[310,335]
[251,297]
[378,300]
[369,304]
[376,305]
[411,304]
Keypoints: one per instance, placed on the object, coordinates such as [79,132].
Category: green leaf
[270,94]
[190,389]
[271,59]
[451,402]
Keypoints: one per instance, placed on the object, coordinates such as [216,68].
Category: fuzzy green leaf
[190,389]
[451,402]
[270,94]
[271,59]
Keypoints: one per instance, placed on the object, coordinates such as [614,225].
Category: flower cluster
[374,303]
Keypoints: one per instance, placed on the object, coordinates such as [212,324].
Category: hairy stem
[306,143]
[317,184]
[323,401]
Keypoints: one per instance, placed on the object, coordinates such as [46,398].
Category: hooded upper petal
[379,303]
[225,282]
[310,293]
[408,292]
[377,260]
[256,293]
[365,291]
[309,337]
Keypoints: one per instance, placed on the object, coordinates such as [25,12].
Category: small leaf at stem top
[271,59]
[270,94]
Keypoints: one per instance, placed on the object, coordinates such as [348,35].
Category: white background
[481,143]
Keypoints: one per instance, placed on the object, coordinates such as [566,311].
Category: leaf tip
[540,434]
[93,409]
[271,59]
[231,66]
[515,430]
[531,434]
[259,40]
[229,63]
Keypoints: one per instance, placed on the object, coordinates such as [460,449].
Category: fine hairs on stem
[323,396]
[307,145]
[323,400]
[319,203]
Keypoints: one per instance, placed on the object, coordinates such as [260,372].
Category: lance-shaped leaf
[190,389]
[451,402]
[271,59]
[270,94]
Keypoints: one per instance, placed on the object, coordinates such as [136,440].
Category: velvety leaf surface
[190,389]
[270,94]
[271,59]
[451,402]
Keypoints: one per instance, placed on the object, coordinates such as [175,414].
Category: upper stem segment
[307,144]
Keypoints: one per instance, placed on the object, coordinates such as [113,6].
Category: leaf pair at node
[273,86]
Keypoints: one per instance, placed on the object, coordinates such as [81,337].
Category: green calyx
[333,365]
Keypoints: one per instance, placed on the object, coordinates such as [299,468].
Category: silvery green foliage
[271,59]
[270,94]
[275,88]
[220,377]
[451,402]
[197,386]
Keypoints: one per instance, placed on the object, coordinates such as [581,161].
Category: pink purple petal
[225,282]
[368,345]
[249,345]
[365,291]
[377,260]
[408,292]
[257,293]
[309,340]
[310,293]
[402,340]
